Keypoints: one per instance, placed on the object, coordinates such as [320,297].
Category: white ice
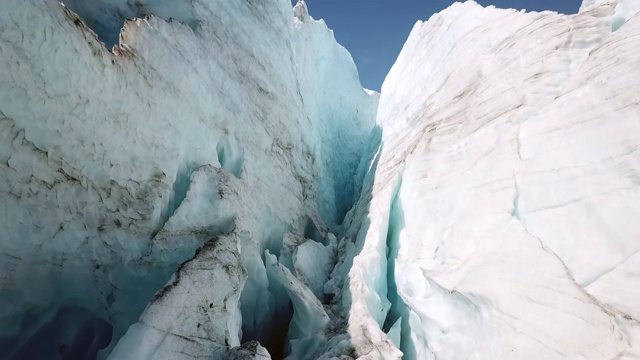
[507,179]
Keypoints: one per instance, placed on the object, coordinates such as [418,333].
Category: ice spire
[301,11]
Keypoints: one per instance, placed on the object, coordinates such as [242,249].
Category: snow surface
[215,183]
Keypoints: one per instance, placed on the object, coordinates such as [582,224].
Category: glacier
[209,179]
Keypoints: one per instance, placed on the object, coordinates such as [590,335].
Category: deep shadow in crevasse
[274,340]
[72,333]
[398,314]
[357,221]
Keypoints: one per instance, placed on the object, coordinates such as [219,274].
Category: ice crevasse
[208,179]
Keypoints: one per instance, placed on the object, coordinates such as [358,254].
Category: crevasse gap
[396,323]
[215,183]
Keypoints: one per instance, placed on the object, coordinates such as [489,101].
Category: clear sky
[375,30]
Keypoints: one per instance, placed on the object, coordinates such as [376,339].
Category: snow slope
[218,185]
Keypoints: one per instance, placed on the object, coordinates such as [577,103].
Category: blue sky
[375,30]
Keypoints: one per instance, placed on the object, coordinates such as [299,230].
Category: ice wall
[341,132]
[116,166]
[500,220]
[624,10]
[218,185]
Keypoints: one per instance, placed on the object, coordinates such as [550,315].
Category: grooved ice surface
[220,186]
[508,182]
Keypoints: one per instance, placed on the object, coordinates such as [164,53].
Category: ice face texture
[117,166]
[624,10]
[218,185]
[500,224]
